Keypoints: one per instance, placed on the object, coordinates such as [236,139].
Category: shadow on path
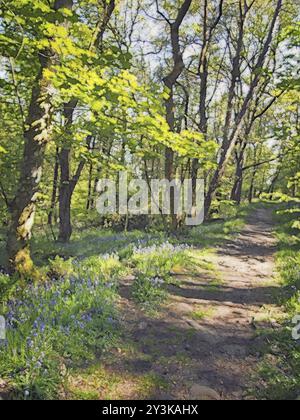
[218,350]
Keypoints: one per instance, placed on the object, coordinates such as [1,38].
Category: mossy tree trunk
[23,206]
[36,137]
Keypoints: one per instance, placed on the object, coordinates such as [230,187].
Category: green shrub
[5,283]
[60,268]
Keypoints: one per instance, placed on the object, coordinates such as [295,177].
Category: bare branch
[256,165]
[162,14]
[269,106]
[218,18]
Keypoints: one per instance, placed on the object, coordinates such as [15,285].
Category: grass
[68,318]
[95,241]
[84,244]
[280,369]
[153,267]
[211,234]
[202,313]
[99,382]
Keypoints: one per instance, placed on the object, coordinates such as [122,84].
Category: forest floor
[204,342]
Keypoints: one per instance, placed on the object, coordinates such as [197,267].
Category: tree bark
[36,137]
[253,175]
[236,193]
[54,189]
[67,187]
[89,200]
[65,226]
[252,186]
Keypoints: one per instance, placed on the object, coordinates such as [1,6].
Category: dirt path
[206,335]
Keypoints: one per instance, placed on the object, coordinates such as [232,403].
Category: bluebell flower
[29,343]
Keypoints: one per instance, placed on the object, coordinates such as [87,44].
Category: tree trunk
[170,82]
[236,193]
[65,197]
[169,160]
[252,186]
[68,184]
[89,202]
[274,181]
[231,136]
[65,226]
[203,71]
[54,189]
[235,75]
[36,137]
[90,192]
[253,176]
[67,187]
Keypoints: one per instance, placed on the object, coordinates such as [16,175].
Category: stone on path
[203,393]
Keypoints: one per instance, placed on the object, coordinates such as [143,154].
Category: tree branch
[270,104]
[255,165]
[108,11]
[4,196]
[217,20]
[182,13]
[81,164]
[162,14]
[16,88]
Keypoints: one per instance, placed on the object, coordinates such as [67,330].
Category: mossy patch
[202,313]
[99,382]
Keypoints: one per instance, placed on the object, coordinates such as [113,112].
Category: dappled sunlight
[149,200]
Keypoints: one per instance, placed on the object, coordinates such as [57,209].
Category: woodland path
[219,349]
